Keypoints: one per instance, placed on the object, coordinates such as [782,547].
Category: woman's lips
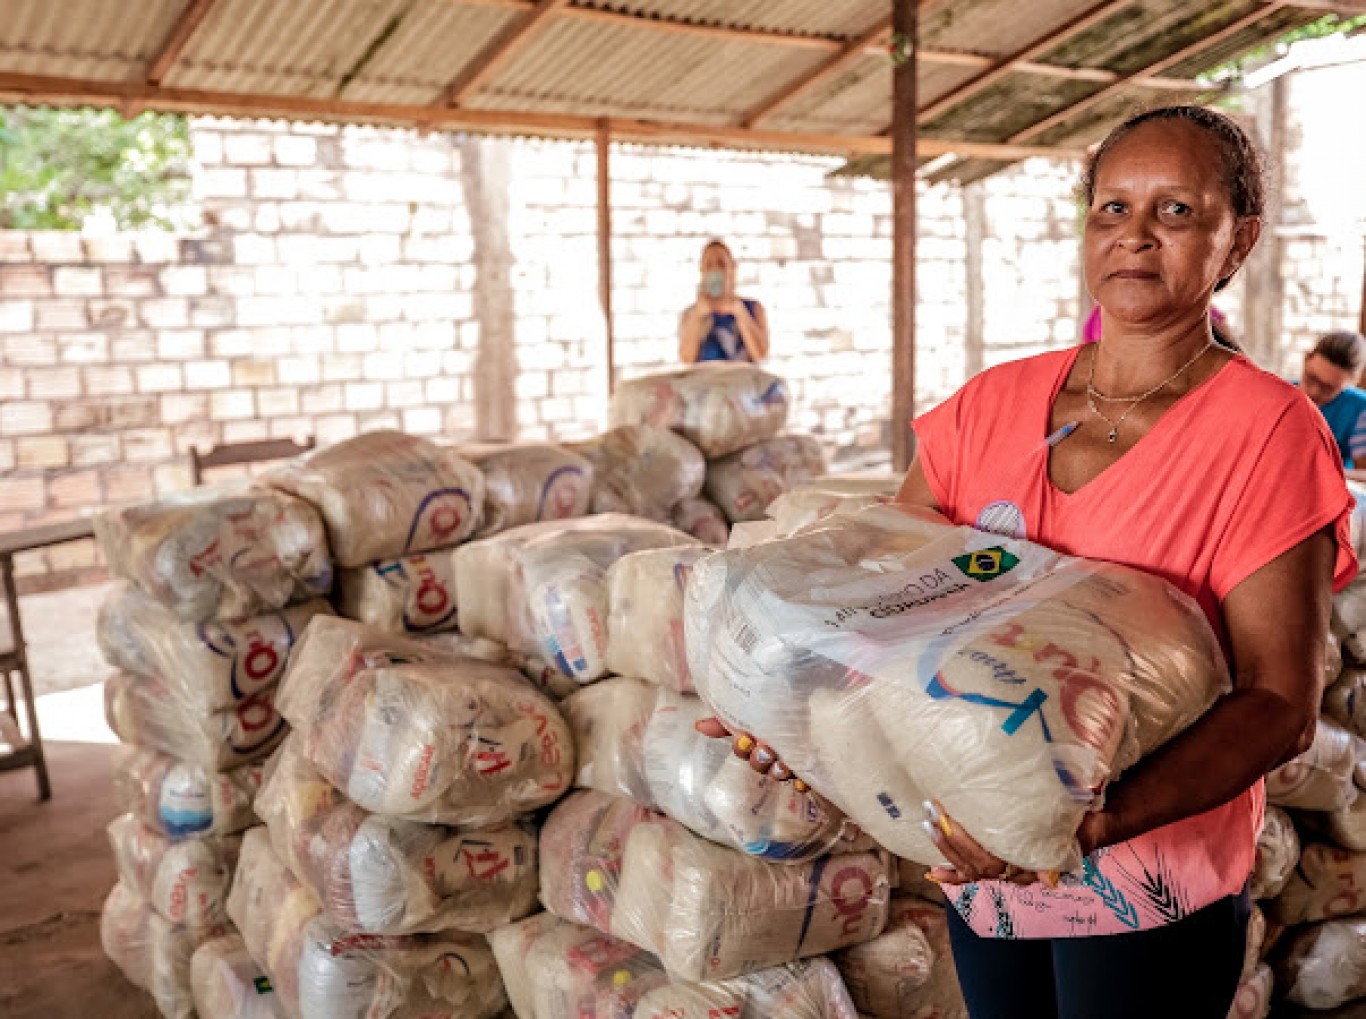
[1132,274]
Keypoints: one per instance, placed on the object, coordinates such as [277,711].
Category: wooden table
[13,657]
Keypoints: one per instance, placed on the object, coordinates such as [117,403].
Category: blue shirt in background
[723,342]
[1346,416]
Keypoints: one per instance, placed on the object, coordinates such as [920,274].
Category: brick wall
[332,290]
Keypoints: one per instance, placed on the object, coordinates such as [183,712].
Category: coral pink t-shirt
[1238,471]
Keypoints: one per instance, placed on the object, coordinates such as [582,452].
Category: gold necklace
[1093,394]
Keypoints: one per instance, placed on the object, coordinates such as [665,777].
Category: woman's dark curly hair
[1244,168]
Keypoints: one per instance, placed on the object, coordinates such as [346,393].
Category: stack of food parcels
[728,413]
[396,826]
[215,590]
[1310,877]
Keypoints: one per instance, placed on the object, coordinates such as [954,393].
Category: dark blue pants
[1186,970]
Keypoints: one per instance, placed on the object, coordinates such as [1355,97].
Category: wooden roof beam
[849,55]
[174,44]
[40,89]
[507,45]
[1087,19]
[1117,86]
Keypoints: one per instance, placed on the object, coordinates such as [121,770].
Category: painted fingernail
[744,743]
[931,811]
[1051,877]
[800,786]
[946,827]
[930,830]
[764,757]
[929,876]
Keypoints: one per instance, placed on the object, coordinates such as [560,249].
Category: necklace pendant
[1114,434]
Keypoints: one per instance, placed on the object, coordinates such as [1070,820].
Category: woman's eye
[1112,207]
[1176,208]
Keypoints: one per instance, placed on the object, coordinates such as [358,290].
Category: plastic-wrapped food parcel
[891,658]
[185,882]
[219,553]
[719,408]
[404,729]
[183,800]
[554,969]
[320,973]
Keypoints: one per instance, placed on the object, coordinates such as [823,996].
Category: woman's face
[718,272]
[1161,232]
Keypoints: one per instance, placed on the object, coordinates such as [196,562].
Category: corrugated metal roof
[83,38]
[302,47]
[606,70]
[618,58]
[426,51]
[839,19]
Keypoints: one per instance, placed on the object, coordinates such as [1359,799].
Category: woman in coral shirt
[1158,448]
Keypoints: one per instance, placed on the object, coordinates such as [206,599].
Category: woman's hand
[969,861]
[760,756]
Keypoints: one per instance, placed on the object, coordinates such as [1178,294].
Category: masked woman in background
[721,326]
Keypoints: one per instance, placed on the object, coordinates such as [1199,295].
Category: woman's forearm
[753,332]
[691,330]
[1245,735]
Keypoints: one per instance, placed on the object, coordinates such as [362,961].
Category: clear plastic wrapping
[405,730]
[1256,940]
[413,594]
[890,658]
[185,882]
[212,665]
[1345,701]
[529,482]
[1321,778]
[183,800]
[907,972]
[1347,827]
[639,741]
[744,484]
[719,407]
[385,494]
[1324,965]
[1327,883]
[145,712]
[643,471]
[554,969]
[645,615]
[219,554]
[227,983]
[709,912]
[383,875]
[320,973]
[704,520]
[151,952]
[808,504]
[1278,850]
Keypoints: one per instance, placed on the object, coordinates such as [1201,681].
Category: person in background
[721,326]
[1331,373]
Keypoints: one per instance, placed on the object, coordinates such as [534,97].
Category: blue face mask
[714,283]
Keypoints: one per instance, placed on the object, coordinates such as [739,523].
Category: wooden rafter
[849,55]
[32,88]
[508,44]
[190,19]
[1115,87]
[1087,19]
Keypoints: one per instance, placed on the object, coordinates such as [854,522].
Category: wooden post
[605,244]
[903,230]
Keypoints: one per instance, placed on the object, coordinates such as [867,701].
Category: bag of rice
[645,615]
[1345,701]
[744,484]
[890,658]
[405,730]
[1322,777]
[1253,1000]
[228,984]
[1278,850]
[1324,965]
[219,554]
[704,520]
[907,972]
[719,407]
[414,594]
[385,494]
[1328,883]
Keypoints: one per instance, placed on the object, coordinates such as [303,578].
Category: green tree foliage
[59,166]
